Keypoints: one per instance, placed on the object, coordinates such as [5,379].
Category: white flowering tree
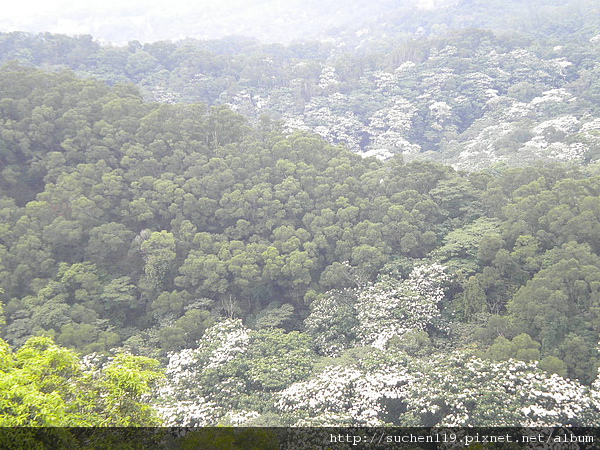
[460,390]
[198,384]
[345,395]
[371,315]
[333,322]
[375,388]
[366,377]
[230,378]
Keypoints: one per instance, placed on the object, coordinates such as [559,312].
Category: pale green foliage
[275,359]
[2,318]
[460,249]
[126,378]
[34,382]
[43,384]
[159,251]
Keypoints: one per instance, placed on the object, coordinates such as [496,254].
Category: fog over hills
[153,20]
[285,21]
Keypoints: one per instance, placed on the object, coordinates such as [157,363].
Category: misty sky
[150,20]
[111,20]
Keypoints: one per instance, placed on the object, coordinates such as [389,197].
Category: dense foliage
[280,277]
[43,384]
[467,83]
[124,217]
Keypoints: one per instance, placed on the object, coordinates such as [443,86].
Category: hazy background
[152,20]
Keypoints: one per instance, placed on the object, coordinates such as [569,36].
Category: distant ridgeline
[282,279]
[465,83]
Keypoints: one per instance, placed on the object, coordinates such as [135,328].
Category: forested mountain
[139,226]
[254,247]
[470,84]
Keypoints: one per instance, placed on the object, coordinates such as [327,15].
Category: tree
[47,385]
[373,314]
[459,390]
[233,374]
[333,321]
[561,300]
[159,252]
[276,359]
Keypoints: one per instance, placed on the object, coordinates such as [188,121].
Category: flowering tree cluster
[440,390]
[237,376]
[474,106]
[194,377]
[459,390]
[232,375]
[241,377]
[345,395]
[375,313]
[531,127]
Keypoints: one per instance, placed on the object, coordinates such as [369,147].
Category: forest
[403,231]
